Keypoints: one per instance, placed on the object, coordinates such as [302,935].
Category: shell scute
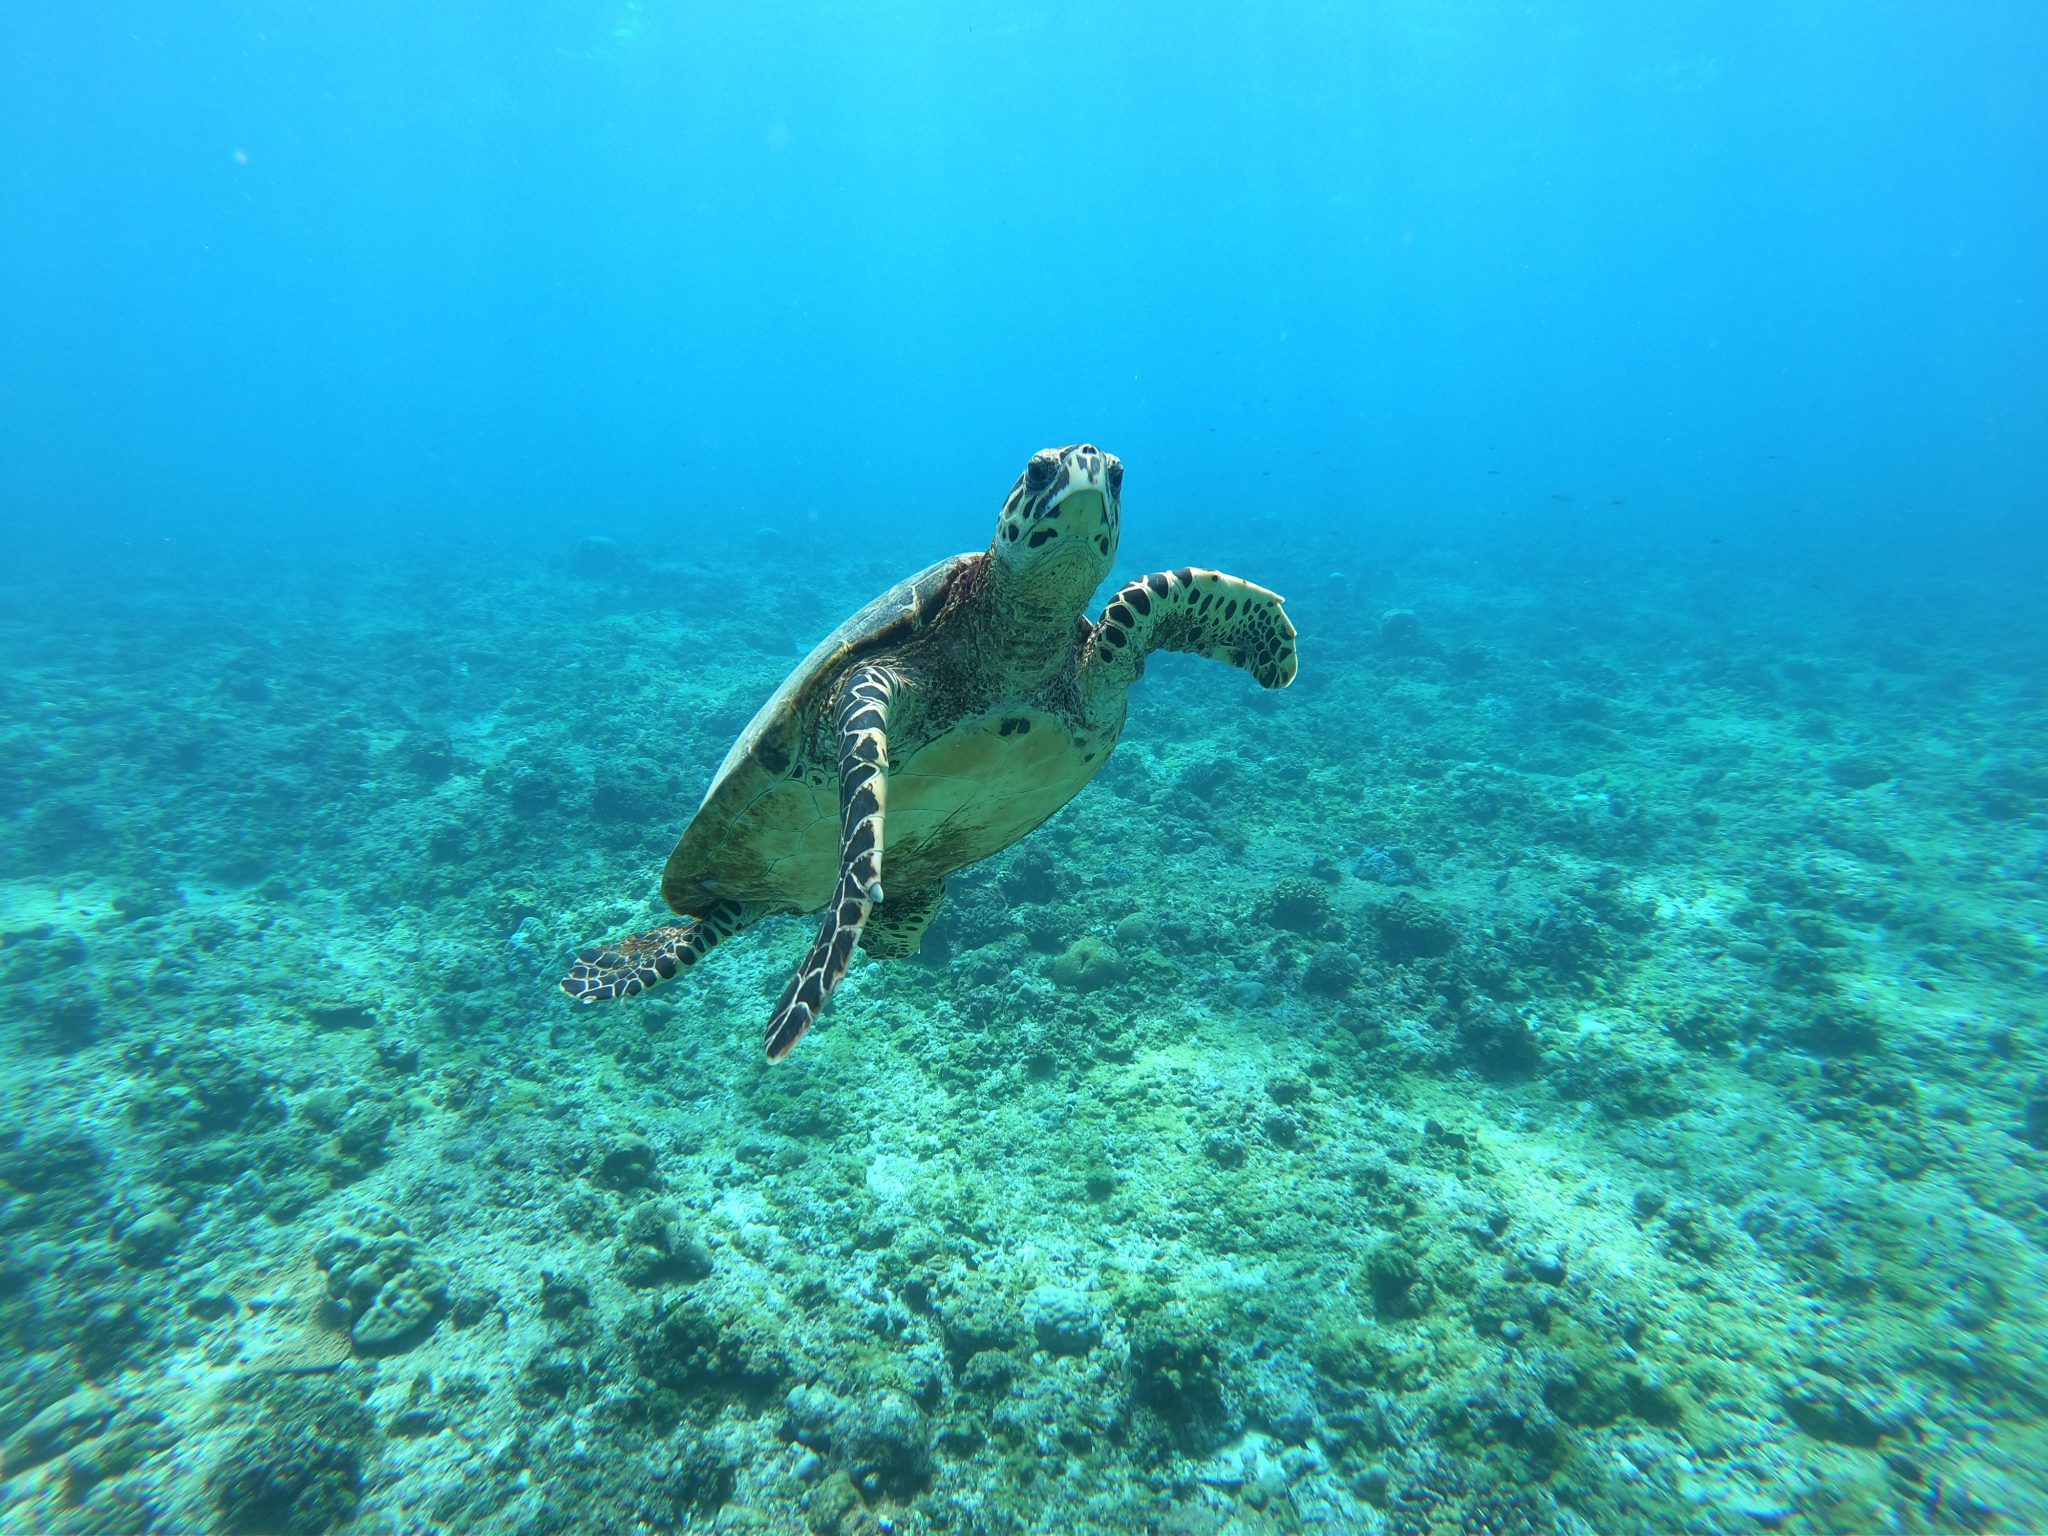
[771,795]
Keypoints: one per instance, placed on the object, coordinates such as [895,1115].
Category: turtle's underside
[954,713]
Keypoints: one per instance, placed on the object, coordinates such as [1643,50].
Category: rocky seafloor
[1575,1063]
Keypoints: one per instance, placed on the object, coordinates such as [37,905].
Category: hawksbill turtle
[956,712]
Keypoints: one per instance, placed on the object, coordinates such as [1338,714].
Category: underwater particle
[1413,929]
[150,1241]
[1062,1320]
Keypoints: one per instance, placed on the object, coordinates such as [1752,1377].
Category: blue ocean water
[1573,1062]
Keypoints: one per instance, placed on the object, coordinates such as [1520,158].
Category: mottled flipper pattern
[1206,612]
[863,728]
[631,966]
[896,928]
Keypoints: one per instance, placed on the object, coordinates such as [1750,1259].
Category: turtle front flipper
[1205,612]
[863,729]
[896,929]
[632,965]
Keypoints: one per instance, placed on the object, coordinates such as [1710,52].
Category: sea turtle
[959,710]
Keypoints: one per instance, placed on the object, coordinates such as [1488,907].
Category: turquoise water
[1573,1062]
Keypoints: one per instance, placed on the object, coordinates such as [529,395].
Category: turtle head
[1059,527]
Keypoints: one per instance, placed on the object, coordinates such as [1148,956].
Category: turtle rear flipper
[895,929]
[632,965]
[1222,617]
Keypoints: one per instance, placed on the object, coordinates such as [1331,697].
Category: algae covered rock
[297,1468]
[885,1442]
[1832,1410]
[1063,1320]
[362,1133]
[342,1012]
[628,1162]
[974,1315]
[1332,971]
[1413,929]
[1180,1380]
[695,1350]
[1302,906]
[1086,964]
[382,1278]
[150,1240]
[64,1424]
[52,1160]
[1395,1280]
[1178,1371]
[655,1248]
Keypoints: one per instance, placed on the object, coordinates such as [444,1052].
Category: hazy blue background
[623,265]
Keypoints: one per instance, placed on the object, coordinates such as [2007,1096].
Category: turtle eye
[1116,479]
[1038,475]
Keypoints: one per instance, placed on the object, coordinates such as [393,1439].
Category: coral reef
[1574,1063]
